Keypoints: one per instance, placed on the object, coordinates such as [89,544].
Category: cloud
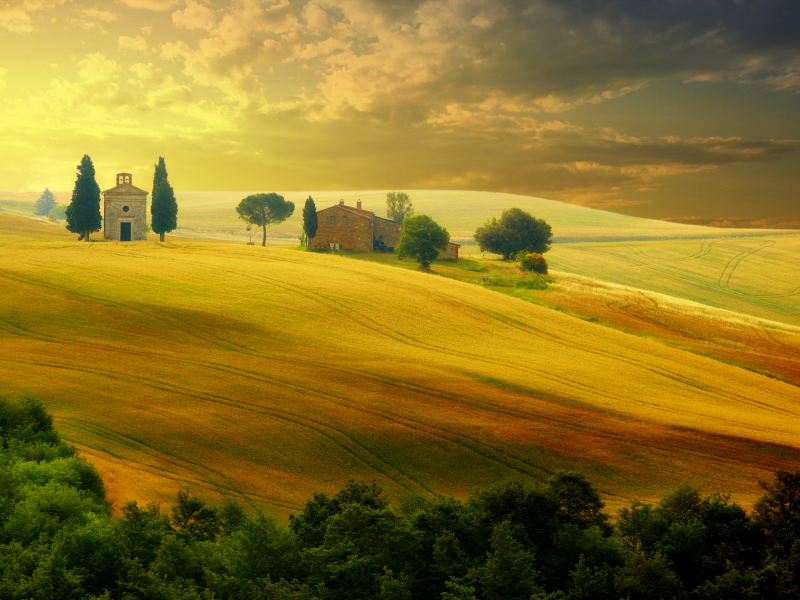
[194,16]
[16,15]
[135,44]
[151,4]
[96,67]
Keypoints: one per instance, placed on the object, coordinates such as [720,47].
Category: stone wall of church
[114,213]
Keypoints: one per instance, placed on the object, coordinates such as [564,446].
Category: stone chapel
[125,211]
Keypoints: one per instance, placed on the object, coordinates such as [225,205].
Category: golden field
[267,374]
[759,276]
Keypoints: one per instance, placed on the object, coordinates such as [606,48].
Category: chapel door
[125,232]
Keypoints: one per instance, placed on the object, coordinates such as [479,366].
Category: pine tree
[310,218]
[45,203]
[83,212]
[163,206]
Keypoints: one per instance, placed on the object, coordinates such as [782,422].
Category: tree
[57,213]
[163,206]
[83,212]
[423,239]
[398,206]
[265,209]
[516,230]
[310,223]
[45,203]
[778,510]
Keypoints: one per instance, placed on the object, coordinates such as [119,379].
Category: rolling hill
[212,215]
[266,374]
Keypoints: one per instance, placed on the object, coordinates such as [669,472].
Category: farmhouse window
[344,220]
[332,220]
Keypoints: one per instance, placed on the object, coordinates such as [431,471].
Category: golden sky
[683,110]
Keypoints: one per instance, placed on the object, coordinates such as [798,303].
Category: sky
[669,109]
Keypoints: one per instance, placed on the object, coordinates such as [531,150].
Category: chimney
[359,205]
[341,202]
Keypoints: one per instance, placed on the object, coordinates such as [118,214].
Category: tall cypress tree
[310,218]
[163,207]
[83,212]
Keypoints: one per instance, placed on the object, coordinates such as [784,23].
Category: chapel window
[344,220]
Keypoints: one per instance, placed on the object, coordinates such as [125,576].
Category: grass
[266,374]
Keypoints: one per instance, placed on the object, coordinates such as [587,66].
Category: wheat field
[267,374]
[755,276]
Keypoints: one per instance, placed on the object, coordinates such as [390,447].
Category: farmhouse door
[124,232]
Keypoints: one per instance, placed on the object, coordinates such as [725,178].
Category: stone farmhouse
[125,211]
[342,227]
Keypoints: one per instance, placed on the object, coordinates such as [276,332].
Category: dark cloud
[580,50]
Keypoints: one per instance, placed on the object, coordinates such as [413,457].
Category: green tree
[310,223]
[265,209]
[83,212]
[778,510]
[398,206]
[57,213]
[423,239]
[163,206]
[516,230]
[45,203]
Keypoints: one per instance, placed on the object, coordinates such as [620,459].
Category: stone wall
[355,234]
[390,230]
[451,252]
[114,214]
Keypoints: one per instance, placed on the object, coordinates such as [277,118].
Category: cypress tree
[83,212]
[45,203]
[163,207]
[310,218]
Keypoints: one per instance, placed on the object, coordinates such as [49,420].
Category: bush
[534,262]
[58,213]
[531,283]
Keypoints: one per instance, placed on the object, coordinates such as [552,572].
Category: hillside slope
[756,276]
[268,374]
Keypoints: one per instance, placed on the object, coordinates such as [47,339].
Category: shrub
[531,283]
[534,262]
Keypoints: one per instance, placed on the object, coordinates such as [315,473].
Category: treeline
[514,540]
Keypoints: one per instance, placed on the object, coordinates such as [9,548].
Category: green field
[754,276]
[267,374]
[212,214]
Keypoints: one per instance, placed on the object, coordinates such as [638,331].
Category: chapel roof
[126,188]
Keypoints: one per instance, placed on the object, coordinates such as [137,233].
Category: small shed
[124,211]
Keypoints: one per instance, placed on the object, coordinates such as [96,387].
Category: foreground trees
[163,206]
[515,540]
[422,239]
[265,209]
[515,231]
[83,212]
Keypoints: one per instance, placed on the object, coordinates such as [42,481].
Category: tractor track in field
[181,477]
[381,329]
[733,263]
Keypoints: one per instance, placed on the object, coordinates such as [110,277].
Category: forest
[512,540]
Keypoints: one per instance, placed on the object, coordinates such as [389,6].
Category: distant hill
[212,214]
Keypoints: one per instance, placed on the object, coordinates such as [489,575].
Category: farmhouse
[343,227]
[124,211]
